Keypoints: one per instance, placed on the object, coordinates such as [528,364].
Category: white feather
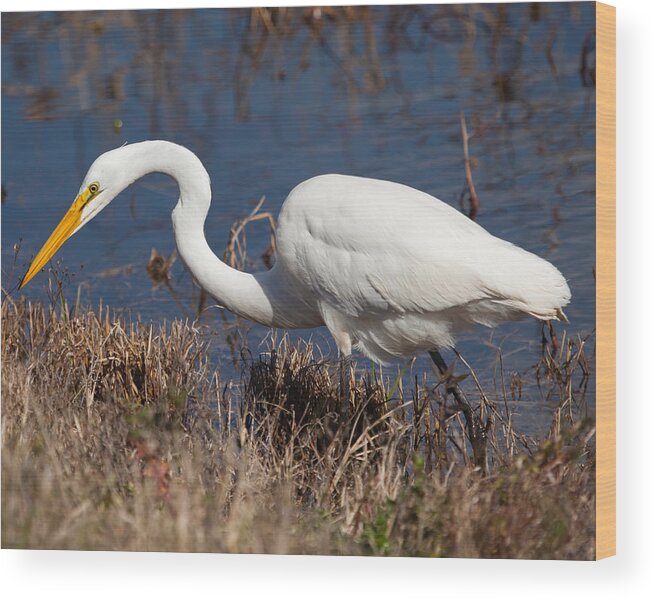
[398,271]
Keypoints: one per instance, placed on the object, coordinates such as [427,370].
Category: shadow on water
[270,97]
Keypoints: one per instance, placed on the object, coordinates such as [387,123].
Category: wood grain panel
[606,279]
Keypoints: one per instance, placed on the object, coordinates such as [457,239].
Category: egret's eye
[94,188]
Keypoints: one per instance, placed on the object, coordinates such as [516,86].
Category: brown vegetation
[119,436]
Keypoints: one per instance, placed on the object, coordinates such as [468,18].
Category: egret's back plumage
[385,267]
[398,271]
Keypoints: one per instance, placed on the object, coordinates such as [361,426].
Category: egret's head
[111,173]
[101,184]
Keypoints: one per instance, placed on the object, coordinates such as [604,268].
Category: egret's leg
[345,368]
[477,432]
[451,388]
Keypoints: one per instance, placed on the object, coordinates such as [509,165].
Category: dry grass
[119,436]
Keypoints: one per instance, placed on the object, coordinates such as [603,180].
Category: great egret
[388,269]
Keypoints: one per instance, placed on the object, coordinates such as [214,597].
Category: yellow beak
[71,221]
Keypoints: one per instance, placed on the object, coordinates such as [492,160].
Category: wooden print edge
[606,280]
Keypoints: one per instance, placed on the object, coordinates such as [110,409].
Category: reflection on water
[270,97]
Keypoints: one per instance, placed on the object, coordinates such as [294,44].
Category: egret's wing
[374,247]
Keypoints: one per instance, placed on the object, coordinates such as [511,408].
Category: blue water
[267,106]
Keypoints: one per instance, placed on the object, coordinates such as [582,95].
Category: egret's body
[388,269]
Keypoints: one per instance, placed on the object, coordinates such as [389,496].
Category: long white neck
[250,296]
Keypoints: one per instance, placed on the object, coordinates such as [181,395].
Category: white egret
[388,269]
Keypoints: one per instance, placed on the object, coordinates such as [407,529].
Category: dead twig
[235,250]
[474,202]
